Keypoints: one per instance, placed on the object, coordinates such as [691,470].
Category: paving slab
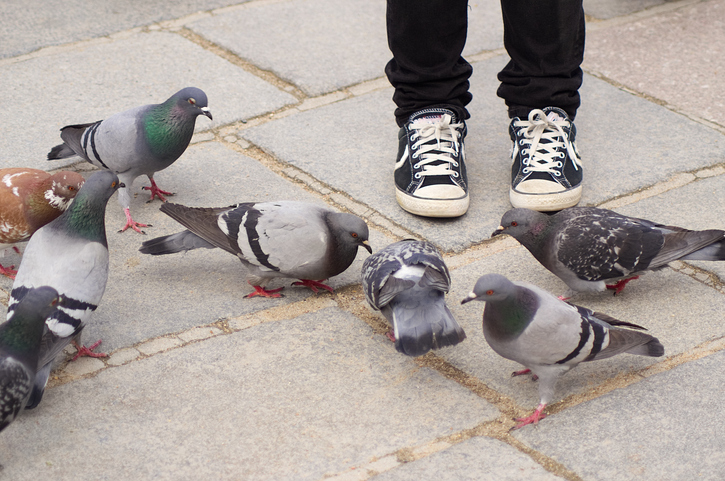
[364,141]
[324,45]
[686,70]
[295,399]
[29,25]
[696,206]
[604,9]
[655,301]
[667,427]
[149,296]
[477,459]
[138,69]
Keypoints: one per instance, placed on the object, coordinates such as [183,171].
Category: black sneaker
[546,174]
[430,174]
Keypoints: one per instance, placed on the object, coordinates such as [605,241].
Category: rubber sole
[546,202]
[432,207]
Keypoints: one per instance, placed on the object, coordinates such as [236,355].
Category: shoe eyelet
[455,164]
[558,174]
[526,170]
[416,166]
[417,176]
[562,155]
[559,165]
[415,156]
[455,174]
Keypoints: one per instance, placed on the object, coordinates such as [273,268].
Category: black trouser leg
[545,40]
[427,38]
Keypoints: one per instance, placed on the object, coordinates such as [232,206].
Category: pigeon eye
[354,235]
[514,224]
[192,101]
[71,188]
[489,292]
[113,184]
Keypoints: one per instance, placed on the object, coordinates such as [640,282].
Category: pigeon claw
[132,223]
[262,292]
[531,419]
[88,351]
[391,335]
[314,285]
[619,286]
[156,192]
[8,271]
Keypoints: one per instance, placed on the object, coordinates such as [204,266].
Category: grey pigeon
[70,254]
[586,247]
[140,141]
[526,324]
[272,239]
[407,281]
[20,339]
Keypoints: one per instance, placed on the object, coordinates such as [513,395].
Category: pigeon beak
[366,245]
[469,298]
[499,230]
[205,111]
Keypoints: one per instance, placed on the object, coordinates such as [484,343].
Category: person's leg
[431,93]
[540,85]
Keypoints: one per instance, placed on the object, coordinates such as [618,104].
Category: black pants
[544,39]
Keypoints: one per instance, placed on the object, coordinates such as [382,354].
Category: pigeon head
[22,332]
[521,223]
[491,287]
[191,101]
[63,187]
[350,231]
[86,215]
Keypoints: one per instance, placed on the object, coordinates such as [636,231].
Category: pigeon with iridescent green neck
[20,344]
[527,324]
[70,255]
[140,141]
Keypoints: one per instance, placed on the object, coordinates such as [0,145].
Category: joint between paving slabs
[171,341]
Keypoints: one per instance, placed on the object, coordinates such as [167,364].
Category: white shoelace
[436,142]
[544,156]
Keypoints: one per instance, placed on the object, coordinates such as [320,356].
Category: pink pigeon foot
[262,292]
[8,271]
[132,223]
[619,286]
[156,192]
[391,335]
[88,351]
[533,418]
[523,372]
[314,285]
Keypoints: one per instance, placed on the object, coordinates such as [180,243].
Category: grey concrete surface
[683,423]
[204,384]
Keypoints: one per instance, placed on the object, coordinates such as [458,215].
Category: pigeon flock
[64,269]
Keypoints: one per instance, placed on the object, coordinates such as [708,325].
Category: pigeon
[527,324]
[143,140]
[29,199]
[70,254]
[20,344]
[586,247]
[407,281]
[272,239]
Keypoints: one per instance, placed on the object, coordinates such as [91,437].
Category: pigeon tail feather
[713,252]
[422,322]
[41,379]
[171,244]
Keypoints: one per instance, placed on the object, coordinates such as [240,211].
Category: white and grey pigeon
[407,281]
[20,341]
[272,239]
[527,324]
[139,141]
[70,254]
[586,247]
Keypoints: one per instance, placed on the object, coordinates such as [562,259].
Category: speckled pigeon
[69,254]
[407,281]
[587,246]
[29,199]
[272,239]
[140,141]
[20,343]
[526,324]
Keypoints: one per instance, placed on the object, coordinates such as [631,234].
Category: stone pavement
[203,384]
